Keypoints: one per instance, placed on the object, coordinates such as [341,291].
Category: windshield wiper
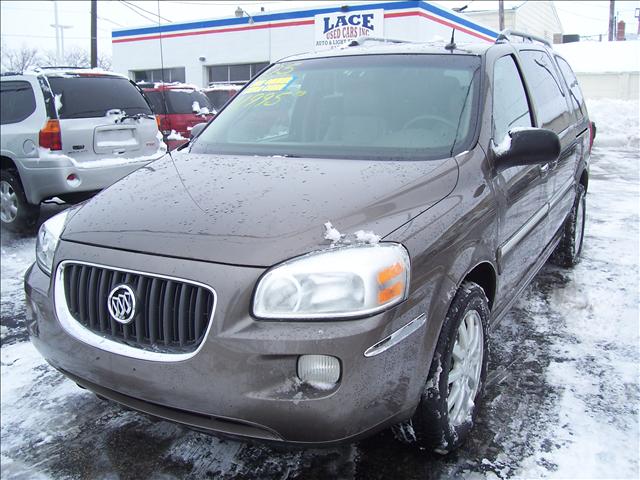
[135,117]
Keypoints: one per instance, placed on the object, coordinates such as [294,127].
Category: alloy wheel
[8,202]
[579,229]
[464,376]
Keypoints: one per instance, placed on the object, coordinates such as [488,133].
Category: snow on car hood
[256,211]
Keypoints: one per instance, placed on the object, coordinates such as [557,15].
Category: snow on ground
[562,396]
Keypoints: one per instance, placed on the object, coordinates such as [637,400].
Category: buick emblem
[122,304]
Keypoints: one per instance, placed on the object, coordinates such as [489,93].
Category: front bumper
[243,381]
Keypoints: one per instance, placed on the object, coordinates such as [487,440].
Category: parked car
[68,133]
[326,258]
[220,94]
[179,108]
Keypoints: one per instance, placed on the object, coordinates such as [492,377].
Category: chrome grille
[171,316]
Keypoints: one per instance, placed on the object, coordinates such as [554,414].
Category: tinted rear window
[369,106]
[219,97]
[17,102]
[89,97]
[178,101]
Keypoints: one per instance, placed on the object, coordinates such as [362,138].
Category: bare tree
[19,60]
[104,62]
[75,57]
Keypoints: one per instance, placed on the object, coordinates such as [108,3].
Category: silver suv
[69,133]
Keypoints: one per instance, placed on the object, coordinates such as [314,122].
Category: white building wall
[491,20]
[621,86]
[265,41]
[538,18]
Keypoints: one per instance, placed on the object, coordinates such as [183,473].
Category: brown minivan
[325,259]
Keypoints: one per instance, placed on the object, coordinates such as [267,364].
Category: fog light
[319,371]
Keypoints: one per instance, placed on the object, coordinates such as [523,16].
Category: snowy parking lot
[562,397]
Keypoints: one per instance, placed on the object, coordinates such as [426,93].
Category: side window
[510,106]
[17,101]
[548,97]
[574,89]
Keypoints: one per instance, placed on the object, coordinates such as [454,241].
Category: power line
[136,12]
[146,11]
[110,21]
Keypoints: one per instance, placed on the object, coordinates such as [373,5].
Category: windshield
[180,101]
[373,106]
[91,96]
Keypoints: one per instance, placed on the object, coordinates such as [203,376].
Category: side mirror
[197,129]
[526,146]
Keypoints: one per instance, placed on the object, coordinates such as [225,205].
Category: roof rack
[505,35]
[364,39]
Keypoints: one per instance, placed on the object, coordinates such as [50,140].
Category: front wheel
[449,402]
[567,253]
[16,213]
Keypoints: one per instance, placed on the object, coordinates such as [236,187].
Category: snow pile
[331,233]
[617,123]
[366,237]
[58,102]
[175,136]
[196,108]
[601,57]
[361,236]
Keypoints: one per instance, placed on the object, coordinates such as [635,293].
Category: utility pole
[501,15]
[612,20]
[94,33]
[59,34]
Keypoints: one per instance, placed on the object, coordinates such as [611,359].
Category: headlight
[341,282]
[48,238]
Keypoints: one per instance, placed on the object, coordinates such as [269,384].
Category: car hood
[256,211]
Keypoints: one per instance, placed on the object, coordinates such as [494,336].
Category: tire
[567,253]
[434,426]
[16,214]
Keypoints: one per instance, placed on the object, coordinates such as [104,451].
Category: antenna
[163,91]
[452,44]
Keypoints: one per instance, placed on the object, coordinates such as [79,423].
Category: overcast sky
[29,22]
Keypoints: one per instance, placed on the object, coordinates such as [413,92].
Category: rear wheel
[449,403]
[567,253]
[16,213]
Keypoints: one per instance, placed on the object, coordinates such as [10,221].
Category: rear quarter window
[90,96]
[17,101]
[551,107]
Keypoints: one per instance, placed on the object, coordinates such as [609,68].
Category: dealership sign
[335,29]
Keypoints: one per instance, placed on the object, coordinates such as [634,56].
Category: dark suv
[325,259]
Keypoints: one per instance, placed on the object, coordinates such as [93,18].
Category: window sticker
[266,99]
[276,84]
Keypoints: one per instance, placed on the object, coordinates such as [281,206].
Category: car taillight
[50,136]
[158,121]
